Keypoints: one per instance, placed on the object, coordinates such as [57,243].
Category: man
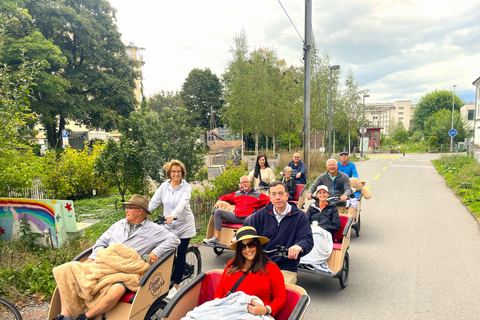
[299,169]
[286,225]
[346,166]
[246,200]
[337,183]
[134,232]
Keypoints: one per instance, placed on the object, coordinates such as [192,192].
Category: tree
[96,83]
[165,99]
[440,123]
[432,102]
[201,94]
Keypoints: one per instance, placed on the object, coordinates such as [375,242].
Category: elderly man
[299,170]
[346,166]
[286,225]
[337,183]
[134,232]
[246,200]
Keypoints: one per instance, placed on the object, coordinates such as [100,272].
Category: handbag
[262,183]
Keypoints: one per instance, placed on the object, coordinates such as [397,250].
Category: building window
[400,118]
[471,114]
[400,113]
[129,54]
[400,107]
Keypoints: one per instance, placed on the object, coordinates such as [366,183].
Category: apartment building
[476,120]
[381,115]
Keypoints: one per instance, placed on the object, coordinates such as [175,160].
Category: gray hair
[244,176]
[331,159]
[287,169]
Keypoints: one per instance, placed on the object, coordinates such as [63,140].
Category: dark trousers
[180,262]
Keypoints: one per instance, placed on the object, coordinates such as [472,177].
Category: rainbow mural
[49,217]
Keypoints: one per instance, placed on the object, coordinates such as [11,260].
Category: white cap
[322,187]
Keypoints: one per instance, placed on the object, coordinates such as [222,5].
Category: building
[468,115]
[381,115]
[476,121]
[135,53]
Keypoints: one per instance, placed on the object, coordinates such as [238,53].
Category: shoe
[212,240]
[308,267]
[61,317]
[82,317]
[171,293]
[323,268]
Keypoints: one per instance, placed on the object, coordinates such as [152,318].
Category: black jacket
[291,186]
[327,218]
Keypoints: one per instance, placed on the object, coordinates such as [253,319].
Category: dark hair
[259,261]
[276,183]
[257,166]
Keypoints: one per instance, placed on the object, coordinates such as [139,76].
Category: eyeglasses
[132,208]
[250,244]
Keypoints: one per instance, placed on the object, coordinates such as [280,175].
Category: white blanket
[322,247]
[232,307]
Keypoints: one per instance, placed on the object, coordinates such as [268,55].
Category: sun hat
[323,188]
[344,153]
[247,232]
[139,200]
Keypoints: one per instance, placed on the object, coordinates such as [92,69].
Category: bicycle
[8,311]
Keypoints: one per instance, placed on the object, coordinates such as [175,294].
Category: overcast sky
[399,50]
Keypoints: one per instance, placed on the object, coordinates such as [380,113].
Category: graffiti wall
[52,218]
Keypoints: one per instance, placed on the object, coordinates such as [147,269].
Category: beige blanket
[81,285]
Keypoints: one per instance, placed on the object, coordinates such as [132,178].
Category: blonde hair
[288,169]
[168,167]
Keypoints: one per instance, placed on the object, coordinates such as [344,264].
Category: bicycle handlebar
[162,220]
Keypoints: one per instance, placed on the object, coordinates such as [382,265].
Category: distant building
[381,115]
[476,121]
[468,115]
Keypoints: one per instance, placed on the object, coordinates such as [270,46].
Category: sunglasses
[250,244]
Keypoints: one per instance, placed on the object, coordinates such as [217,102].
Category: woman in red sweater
[263,278]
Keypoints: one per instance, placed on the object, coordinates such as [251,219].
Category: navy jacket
[327,218]
[294,229]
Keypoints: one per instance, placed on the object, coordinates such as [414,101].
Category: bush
[18,170]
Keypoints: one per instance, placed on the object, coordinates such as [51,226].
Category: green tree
[99,74]
[165,99]
[440,123]
[432,102]
[201,95]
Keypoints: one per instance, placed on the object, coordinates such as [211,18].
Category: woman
[261,173]
[289,182]
[175,195]
[263,277]
[325,222]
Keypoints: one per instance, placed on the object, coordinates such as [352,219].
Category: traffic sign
[452,132]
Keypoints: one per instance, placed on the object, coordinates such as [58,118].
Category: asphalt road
[417,256]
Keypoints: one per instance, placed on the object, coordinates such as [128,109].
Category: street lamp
[363,125]
[335,67]
[453,109]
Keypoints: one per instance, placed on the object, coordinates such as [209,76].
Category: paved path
[418,254]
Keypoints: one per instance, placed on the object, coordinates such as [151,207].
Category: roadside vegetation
[462,174]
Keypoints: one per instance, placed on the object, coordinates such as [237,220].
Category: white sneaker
[171,293]
[212,240]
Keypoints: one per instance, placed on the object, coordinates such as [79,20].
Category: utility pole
[453,111]
[306,88]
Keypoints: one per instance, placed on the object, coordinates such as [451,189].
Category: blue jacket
[293,229]
[296,169]
[350,169]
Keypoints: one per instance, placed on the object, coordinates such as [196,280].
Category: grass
[462,174]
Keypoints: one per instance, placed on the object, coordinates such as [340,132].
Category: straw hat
[247,233]
[139,200]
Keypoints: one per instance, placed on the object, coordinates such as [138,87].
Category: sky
[398,50]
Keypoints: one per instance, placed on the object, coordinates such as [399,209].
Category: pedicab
[153,287]
[338,261]
[202,289]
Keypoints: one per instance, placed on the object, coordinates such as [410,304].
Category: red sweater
[269,287]
[246,203]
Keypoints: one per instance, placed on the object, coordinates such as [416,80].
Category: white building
[476,121]
[381,115]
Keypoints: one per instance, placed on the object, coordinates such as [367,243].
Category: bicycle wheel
[8,311]
[193,265]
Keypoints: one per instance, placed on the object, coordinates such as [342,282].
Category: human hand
[343,198]
[169,218]
[294,251]
[298,175]
[89,260]
[281,173]
[216,205]
[153,258]
[309,196]
[256,308]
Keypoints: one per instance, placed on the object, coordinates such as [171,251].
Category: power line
[291,21]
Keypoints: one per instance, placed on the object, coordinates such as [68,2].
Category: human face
[249,249]
[322,195]
[261,162]
[134,214]
[176,174]
[288,174]
[332,167]
[244,184]
[296,158]
[279,197]
[344,157]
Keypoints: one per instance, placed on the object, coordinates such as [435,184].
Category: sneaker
[171,293]
[212,240]
[61,317]
[82,317]
[323,268]
[308,267]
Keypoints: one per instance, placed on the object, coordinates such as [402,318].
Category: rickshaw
[153,287]
[338,261]
[202,289]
